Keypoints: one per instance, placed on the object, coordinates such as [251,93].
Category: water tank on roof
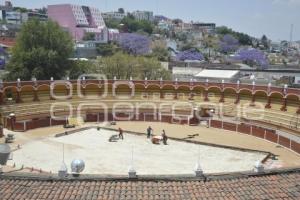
[4,153]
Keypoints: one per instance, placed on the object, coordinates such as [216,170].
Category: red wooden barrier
[284,141]
[258,132]
[271,136]
[216,124]
[295,146]
[244,128]
[229,126]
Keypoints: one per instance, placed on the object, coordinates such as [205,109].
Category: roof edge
[183,177]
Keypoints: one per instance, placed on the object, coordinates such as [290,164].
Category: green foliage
[177,21]
[41,51]
[132,25]
[20,9]
[188,45]
[162,54]
[42,10]
[211,43]
[124,66]
[78,68]
[89,36]
[181,36]
[3,21]
[265,42]
[243,38]
[113,23]
[108,49]
[121,10]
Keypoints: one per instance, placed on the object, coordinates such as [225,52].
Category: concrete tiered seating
[42,107]
[27,97]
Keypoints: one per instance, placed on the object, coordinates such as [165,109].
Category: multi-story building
[143,15]
[159,18]
[12,17]
[113,34]
[8,15]
[113,15]
[30,15]
[7,6]
[79,20]
[204,27]
[183,27]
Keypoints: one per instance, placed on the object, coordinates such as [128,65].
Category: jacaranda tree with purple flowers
[135,44]
[253,57]
[228,44]
[190,54]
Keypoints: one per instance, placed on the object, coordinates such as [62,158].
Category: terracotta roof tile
[285,185]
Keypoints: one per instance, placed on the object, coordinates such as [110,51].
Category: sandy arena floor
[103,157]
[286,158]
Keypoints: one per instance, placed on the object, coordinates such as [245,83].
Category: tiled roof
[8,42]
[282,185]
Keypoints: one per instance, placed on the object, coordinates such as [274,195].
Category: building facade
[7,6]
[79,20]
[205,27]
[143,15]
[11,17]
[113,15]
[31,15]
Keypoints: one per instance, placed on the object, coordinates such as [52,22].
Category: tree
[41,51]
[42,10]
[152,70]
[160,51]
[210,42]
[191,54]
[132,25]
[20,9]
[243,38]
[265,42]
[162,54]
[113,23]
[121,10]
[228,44]
[108,49]
[124,66]
[181,36]
[78,68]
[89,36]
[252,57]
[134,43]
[177,21]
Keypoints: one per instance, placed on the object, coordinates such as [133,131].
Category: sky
[254,17]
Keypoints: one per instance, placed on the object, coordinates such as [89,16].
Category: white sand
[103,157]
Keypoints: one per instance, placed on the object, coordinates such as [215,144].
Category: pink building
[79,20]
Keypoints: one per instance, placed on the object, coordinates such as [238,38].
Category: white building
[185,73]
[113,34]
[143,15]
[218,75]
[113,15]
[11,17]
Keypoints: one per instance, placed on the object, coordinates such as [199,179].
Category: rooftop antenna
[198,169]
[63,171]
[131,170]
